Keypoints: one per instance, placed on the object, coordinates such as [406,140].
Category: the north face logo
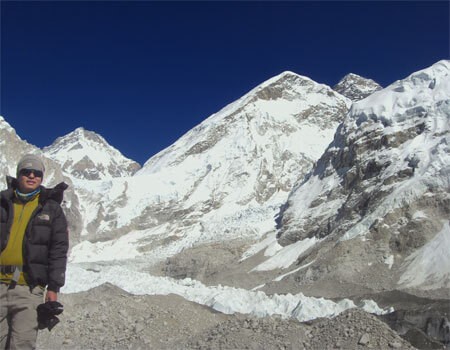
[44,217]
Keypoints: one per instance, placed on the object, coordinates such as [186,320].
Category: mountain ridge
[356,87]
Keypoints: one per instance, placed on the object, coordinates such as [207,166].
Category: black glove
[47,314]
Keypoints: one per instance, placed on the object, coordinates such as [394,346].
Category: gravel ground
[109,318]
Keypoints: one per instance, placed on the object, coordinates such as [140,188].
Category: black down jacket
[46,240]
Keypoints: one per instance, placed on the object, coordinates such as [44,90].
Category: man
[33,251]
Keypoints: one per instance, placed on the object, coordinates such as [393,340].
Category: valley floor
[107,317]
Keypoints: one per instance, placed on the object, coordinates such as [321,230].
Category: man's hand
[51,296]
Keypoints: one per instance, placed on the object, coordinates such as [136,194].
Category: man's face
[29,180]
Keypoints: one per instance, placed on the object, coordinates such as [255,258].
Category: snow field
[225,299]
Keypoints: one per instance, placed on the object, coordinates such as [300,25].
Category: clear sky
[142,73]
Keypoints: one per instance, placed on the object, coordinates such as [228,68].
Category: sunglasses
[27,172]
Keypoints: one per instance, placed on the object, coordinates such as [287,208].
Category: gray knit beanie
[30,161]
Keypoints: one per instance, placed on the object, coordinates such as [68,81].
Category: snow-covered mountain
[376,205]
[224,179]
[12,147]
[84,154]
[356,87]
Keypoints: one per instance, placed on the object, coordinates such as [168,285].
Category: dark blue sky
[142,74]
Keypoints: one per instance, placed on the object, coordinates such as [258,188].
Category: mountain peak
[82,133]
[87,155]
[5,125]
[356,87]
[353,76]
[286,76]
[289,86]
[79,130]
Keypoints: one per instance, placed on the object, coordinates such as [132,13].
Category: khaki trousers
[18,316]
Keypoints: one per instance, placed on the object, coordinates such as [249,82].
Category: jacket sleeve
[57,255]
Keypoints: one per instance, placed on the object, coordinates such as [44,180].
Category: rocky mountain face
[356,87]
[377,201]
[86,155]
